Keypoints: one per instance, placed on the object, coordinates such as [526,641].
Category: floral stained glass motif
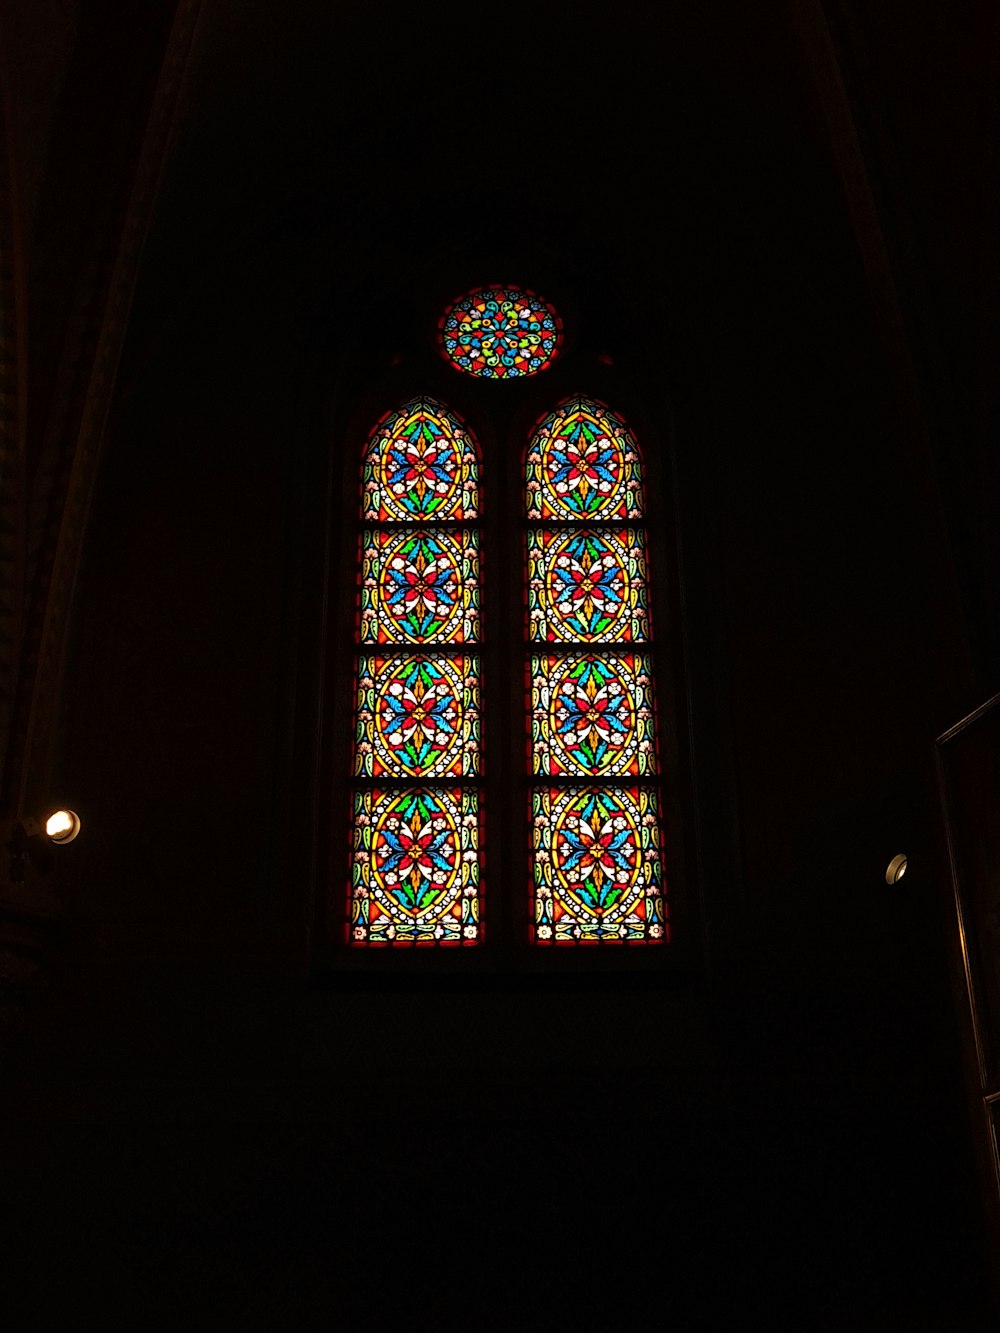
[415,873]
[419,586]
[583,464]
[586,586]
[592,715]
[500,333]
[420,464]
[417,717]
[596,857]
[597,868]
[416,844]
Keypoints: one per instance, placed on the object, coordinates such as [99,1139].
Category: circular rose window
[500,333]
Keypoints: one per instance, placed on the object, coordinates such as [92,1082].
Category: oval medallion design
[419,587]
[416,866]
[597,865]
[598,859]
[586,587]
[418,717]
[591,716]
[583,463]
[420,463]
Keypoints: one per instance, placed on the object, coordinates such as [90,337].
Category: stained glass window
[596,853]
[500,332]
[591,715]
[416,842]
[583,463]
[419,585]
[418,715]
[420,463]
[597,869]
[587,585]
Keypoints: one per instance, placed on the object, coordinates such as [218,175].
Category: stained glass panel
[596,866]
[591,715]
[419,586]
[417,717]
[416,866]
[500,333]
[420,464]
[586,586]
[583,463]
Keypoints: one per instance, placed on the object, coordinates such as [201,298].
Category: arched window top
[583,463]
[500,333]
[421,464]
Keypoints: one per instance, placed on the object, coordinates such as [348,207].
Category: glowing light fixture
[62,825]
[896,869]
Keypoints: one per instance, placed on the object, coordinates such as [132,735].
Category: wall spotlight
[62,825]
[896,869]
[30,841]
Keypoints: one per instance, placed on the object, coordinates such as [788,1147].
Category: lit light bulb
[62,825]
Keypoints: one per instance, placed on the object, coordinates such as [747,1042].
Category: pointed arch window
[417,811]
[595,793]
[577,826]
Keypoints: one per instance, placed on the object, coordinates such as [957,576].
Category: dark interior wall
[780,1132]
[924,93]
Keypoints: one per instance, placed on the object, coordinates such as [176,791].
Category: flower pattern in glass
[420,464]
[591,715]
[586,586]
[416,866]
[500,333]
[596,866]
[583,464]
[417,717]
[419,586]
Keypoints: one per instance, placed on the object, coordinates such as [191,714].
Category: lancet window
[595,841]
[417,812]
